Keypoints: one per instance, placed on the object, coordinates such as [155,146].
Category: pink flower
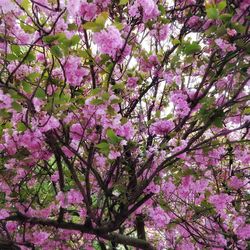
[5,100]
[11,226]
[168,77]
[49,123]
[225,45]
[243,232]
[162,127]
[220,201]
[55,176]
[149,7]
[67,152]
[164,31]
[178,98]
[37,104]
[104,3]
[132,82]
[231,32]
[73,7]
[108,41]
[126,130]
[74,72]
[4,214]
[74,197]
[88,11]
[7,6]
[194,20]
[113,155]
[40,237]
[60,198]
[159,217]
[100,161]
[152,188]
[235,182]
[76,131]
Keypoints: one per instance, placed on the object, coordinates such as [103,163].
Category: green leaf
[72,26]
[61,99]
[21,126]
[113,137]
[212,13]
[95,91]
[26,87]
[17,106]
[31,57]
[123,2]
[118,25]
[220,31]
[226,17]
[25,4]
[97,101]
[116,100]
[222,5]
[74,40]
[103,147]
[27,28]
[11,57]
[105,96]
[83,54]
[191,48]
[56,51]
[176,41]
[162,9]
[119,86]
[16,49]
[218,122]
[33,76]
[51,38]
[40,93]
[95,27]
[101,19]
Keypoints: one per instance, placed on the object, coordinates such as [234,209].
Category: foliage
[124,124]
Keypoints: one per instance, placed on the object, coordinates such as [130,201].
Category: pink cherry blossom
[109,41]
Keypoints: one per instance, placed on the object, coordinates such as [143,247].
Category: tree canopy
[124,124]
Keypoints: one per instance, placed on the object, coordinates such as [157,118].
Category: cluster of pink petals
[109,41]
[5,100]
[6,6]
[162,127]
[126,130]
[132,82]
[194,20]
[149,7]
[160,32]
[179,99]
[220,201]
[82,8]
[224,45]
[74,72]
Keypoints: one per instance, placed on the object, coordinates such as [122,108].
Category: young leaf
[21,126]
[103,147]
[113,137]
[40,93]
[123,2]
[50,39]
[95,27]
[101,19]
[212,13]
[56,51]
[222,5]
[191,48]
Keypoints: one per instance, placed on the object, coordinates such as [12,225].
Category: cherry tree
[124,124]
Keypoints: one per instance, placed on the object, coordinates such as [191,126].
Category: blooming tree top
[124,124]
